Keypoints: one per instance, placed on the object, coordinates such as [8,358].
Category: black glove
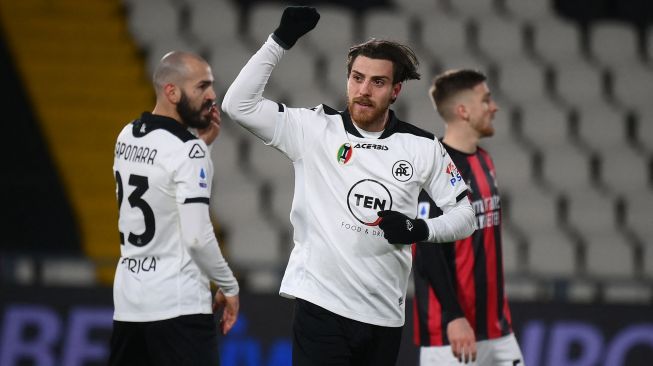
[399,229]
[295,22]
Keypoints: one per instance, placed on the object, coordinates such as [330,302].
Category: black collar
[149,122]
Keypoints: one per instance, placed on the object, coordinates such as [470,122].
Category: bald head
[174,68]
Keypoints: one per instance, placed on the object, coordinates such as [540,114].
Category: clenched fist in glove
[295,22]
[399,229]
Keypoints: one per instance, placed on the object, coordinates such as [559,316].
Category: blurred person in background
[169,252]
[358,174]
[461,311]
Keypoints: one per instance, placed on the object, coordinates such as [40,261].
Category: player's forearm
[207,256]
[199,239]
[244,102]
[457,222]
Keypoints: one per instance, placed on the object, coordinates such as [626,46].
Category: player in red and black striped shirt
[461,311]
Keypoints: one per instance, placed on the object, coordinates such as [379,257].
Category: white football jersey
[340,259]
[158,164]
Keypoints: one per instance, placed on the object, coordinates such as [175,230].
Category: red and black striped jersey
[464,277]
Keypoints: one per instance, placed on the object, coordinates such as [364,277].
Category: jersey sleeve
[202,245]
[193,173]
[448,190]
[244,102]
[272,122]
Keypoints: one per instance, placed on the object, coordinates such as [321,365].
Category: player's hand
[295,22]
[210,133]
[399,229]
[462,340]
[231,305]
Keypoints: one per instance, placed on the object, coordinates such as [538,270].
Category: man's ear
[396,89]
[462,111]
[172,93]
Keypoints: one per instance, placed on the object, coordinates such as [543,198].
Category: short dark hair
[452,82]
[403,58]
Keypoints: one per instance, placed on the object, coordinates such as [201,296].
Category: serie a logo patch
[344,153]
[203,183]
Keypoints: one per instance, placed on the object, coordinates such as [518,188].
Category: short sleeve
[193,173]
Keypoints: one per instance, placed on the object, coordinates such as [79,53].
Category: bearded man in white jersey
[169,252]
[358,174]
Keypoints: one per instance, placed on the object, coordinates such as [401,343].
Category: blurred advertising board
[72,326]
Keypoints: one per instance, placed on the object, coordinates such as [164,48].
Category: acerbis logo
[344,153]
[402,170]
[371,147]
[196,152]
[366,198]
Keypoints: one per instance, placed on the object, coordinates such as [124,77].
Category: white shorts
[502,351]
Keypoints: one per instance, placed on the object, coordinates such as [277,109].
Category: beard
[369,116]
[486,129]
[192,117]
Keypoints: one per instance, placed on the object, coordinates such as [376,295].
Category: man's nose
[365,88]
[211,94]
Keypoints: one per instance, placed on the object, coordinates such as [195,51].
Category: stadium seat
[602,126]
[644,128]
[648,261]
[388,24]
[500,40]
[532,208]
[624,170]
[277,170]
[608,254]
[522,81]
[513,163]
[475,8]
[214,22]
[579,84]
[227,59]
[590,211]
[638,217]
[423,9]
[335,32]
[296,75]
[336,79]
[254,245]
[551,254]
[530,10]
[557,41]
[566,167]
[419,109]
[544,123]
[633,87]
[446,40]
[262,20]
[145,27]
[512,261]
[251,240]
[614,44]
